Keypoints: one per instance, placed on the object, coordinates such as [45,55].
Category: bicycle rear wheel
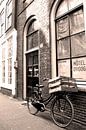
[62,111]
[31,108]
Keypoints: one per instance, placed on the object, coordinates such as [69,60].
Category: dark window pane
[29,71]
[63,48]
[35,39]
[30,28]
[35,59]
[29,42]
[76,22]
[32,41]
[36,72]
[30,60]
[62,28]
[78,44]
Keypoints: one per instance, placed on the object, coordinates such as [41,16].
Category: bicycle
[61,109]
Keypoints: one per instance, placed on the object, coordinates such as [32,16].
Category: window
[10,60]
[3,63]
[32,36]
[1,1]
[8,14]
[70,39]
[2,23]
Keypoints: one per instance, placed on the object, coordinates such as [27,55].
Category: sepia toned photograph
[42,64]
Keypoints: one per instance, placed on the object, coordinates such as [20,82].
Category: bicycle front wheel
[62,111]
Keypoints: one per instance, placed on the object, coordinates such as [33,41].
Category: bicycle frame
[47,100]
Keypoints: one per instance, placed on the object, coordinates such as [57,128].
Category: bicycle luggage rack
[62,83]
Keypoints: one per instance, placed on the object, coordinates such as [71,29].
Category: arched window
[70,39]
[32,35]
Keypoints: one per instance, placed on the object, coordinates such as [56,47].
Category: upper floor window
[2,22]
[8,14]
[32,35]
[1,1]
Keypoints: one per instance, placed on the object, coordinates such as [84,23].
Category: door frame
[31,18]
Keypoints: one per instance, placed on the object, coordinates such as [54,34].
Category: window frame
[58,19]
[2,23]
[8,14]
[3,62]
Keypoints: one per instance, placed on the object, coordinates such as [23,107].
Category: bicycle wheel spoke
[62,112]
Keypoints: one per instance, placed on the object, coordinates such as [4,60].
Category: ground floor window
[3,63]
[9,60]
[71,44]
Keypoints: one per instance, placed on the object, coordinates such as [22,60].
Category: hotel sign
[79,68]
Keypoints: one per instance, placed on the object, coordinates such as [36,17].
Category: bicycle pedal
[42,109]
[46,109]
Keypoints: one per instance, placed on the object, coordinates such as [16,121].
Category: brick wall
[41,9]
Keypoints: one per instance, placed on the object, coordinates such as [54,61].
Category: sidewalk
[15,116]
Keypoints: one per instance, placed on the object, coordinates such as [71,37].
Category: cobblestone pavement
[15,116]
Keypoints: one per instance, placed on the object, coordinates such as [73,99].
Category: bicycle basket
[68,84]
[62,84]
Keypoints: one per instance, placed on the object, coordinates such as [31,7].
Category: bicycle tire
[62,111]
[31,108]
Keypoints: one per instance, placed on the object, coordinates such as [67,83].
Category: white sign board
[79,68]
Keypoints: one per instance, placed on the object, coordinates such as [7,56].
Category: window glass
[78,44]
[63,8]
[29,71]
[36,71]
[35,39]
[76,22]
[32,41]
[62,28]
[35,59]
[79,68]
[3,64]
[64,68]
[3,71]
[10,60]
[8,14]
[9,21]
[29,42]
[30,28]
[9,70]
[10,47]
[74,3]
[2,22]
[30,60]
[32,35]
[63,48]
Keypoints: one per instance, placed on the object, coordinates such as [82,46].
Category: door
[32,73]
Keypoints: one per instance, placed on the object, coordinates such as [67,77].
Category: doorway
[32,73]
